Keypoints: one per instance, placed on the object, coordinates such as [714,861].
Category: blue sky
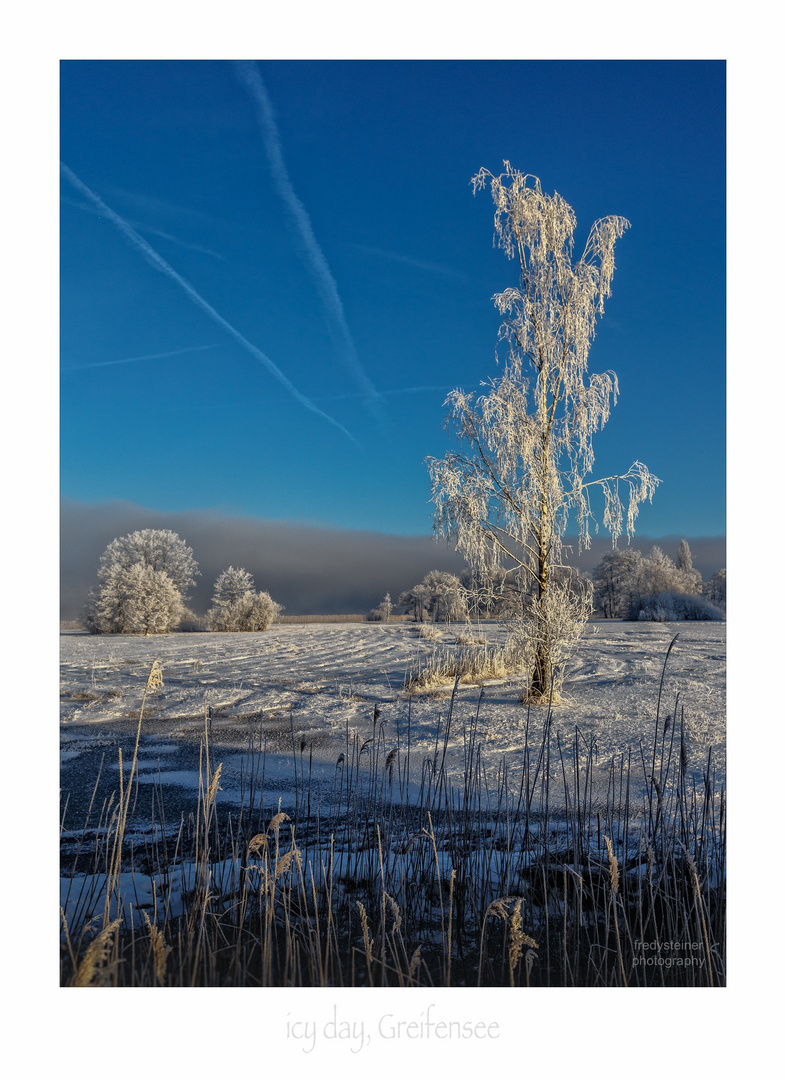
[272,275]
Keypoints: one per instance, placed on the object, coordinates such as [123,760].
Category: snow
[307,690]
[307,695]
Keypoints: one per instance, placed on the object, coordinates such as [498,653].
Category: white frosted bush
[137,600]
[259,612]
[677,607]
[381,613]
[551,626]
[236,607]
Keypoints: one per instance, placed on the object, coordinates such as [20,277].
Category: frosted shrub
[550,628]
[236,607]
[676,607]
[381,613]
[137,600]
[468,636]
[440,597]
[259,612]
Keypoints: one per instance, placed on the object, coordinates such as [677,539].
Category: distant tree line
[625,585]
[629,585]
[144,578]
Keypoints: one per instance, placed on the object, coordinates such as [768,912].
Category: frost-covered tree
[414,602]
[684,556]
[658,573]
[658,576]
[237,607]
[232,587]
[446,599]
[136,600]
[616,579]
[715,589]
[690,578]
[525,447]
[160,549]
[626,581]
[142,580]
[440,596]
[381,613]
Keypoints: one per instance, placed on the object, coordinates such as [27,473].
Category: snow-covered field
[313,688]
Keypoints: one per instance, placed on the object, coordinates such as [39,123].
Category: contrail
[385,393]
[419,264]
[317,263]
[159,263]
[138,359]
[150,229]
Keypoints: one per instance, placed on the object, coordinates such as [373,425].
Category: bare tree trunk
[540,683]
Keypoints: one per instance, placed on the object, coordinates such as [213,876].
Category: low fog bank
[310,569]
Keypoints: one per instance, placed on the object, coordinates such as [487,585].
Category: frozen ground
[311,689]
[307,694]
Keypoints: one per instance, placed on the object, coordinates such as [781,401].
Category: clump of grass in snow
[469,637]
[466,663]
[542,879]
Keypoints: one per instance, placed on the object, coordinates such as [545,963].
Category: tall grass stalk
[540,871]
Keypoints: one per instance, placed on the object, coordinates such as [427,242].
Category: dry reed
[535,876]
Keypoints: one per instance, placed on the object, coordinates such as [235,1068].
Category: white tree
[440,596]
[658,573]
[233,589]
[507,495]
[381,613]
[715,589]
[446,598]
[690,578]
[142,578]
[616,578]
[413,602]
[237,607]
[160,549]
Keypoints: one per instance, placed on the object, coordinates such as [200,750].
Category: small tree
[237,607]
[440,595]
[507,495]
[414,602]
[381,613]
[445,597]
[260,611]
[231,592]
[658,573]
[690,578]
[142,579]
[616,578]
